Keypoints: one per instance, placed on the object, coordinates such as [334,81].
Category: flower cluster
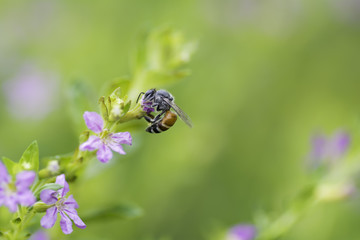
[327,150]
[147,106]
[27,190]
[18,192]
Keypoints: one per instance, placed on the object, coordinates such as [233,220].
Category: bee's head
[149,95]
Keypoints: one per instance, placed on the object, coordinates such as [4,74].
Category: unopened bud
[53,166]
[103,108]
[335,192]
[41,207]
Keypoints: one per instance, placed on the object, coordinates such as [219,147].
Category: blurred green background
[266,75]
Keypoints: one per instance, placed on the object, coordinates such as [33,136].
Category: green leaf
[51,186]
[122,211]
[126,107]
[157,78]
[30,158]
[10,165]
[118,87]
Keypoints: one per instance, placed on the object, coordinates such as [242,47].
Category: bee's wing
[179,112]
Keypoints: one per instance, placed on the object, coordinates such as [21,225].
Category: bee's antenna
[139,96]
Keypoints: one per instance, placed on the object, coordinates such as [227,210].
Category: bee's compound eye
[149,94]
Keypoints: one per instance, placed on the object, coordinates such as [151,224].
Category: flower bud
[53,166]
[335,192]
[118,105]
[103,109]
[41,207]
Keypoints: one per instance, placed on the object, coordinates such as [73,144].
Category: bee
[161,101]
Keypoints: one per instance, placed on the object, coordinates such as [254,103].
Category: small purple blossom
[147,107]
[12,194]
[326,149]
[31,93]
[39,235]
[241,232]
[66,206]
[104,142]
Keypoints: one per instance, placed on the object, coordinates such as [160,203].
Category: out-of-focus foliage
[266,75]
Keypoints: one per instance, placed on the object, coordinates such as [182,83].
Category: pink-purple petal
[11,202]
[2,198]
[65,224]
[94,121]
[26,198]
[4,176]
[122,138]
[91,144]
[49,219]
[70,202]
[116,147]
[48,196]
[104,154]
[339,144]
[242,232]
[61,181]
[72,213]
[39,235]
[24,180]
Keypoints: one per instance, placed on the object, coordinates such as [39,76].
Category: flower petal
[339,144]
[91,144]
[48,196]
[94,121]
[65,224]
[116,147]
[4,176]
[24,180]
[242,232]
[11,202]
[61,181]
[319,143]
[26,198]
[49,219]
[70,202]
[39,235]
[104,154]
[2,198]
[121,137]
[72,213]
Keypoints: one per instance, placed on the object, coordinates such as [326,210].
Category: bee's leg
[149,118]
[157,118]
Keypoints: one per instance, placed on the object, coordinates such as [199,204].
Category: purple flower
[31,94]
[147,106]
[326,149]
[39,235]
[65,206]
[241,232]
[105,141]
[18,192]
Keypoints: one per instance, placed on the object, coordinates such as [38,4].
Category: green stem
[25,215]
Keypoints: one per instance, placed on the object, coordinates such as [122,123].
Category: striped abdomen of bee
[164,124]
